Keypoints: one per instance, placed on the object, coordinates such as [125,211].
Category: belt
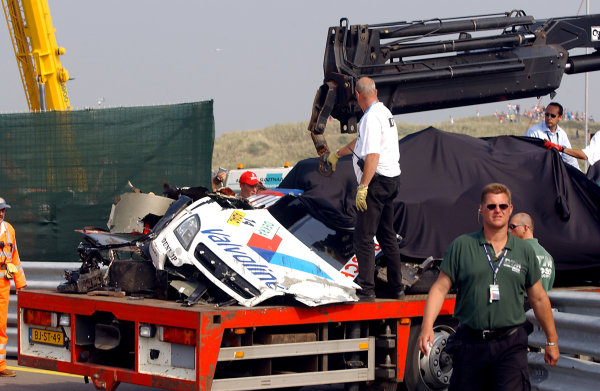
[487,335]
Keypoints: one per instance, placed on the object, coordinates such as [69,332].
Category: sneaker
[8,373]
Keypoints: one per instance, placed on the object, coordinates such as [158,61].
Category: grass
[277,144]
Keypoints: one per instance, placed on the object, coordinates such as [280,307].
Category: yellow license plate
[46,337]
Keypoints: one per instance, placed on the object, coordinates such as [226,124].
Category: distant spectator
[248,184]
[260,187]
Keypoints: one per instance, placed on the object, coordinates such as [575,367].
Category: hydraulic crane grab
[37,53]
[441,63]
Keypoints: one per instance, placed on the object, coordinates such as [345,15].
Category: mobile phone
[221,170]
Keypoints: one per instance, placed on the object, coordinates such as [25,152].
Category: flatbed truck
[158,343]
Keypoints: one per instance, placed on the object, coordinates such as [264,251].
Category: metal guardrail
[39,275]
[569,374]
[575,302]
[577,320]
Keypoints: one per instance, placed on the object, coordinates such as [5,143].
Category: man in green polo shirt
[491,270]
[521,226]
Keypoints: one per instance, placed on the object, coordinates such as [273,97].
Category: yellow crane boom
[37,54]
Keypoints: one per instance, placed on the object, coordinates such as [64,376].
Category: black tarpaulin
[442,177]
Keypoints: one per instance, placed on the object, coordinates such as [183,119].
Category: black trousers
[496,365]
[378,221]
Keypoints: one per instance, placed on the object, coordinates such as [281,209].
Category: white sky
[261,60]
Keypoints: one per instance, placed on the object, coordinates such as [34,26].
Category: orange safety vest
[10,254]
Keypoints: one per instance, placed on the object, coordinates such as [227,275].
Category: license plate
[46,337]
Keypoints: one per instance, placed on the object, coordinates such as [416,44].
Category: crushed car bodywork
[249,255]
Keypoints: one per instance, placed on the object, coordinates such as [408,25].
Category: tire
[430,373]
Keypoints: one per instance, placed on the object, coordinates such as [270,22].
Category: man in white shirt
[376,161]
[551,132]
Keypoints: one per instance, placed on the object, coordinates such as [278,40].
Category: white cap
[3,204]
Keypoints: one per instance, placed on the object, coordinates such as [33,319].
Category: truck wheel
[429,373]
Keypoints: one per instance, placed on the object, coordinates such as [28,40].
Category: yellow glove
[361,198]
[10,270]
[332,159]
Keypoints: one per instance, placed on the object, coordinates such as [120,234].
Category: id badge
[494,293]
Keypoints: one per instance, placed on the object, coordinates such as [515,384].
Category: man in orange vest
[10,269]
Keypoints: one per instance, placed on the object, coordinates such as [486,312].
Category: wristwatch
[361,186]
[550,343]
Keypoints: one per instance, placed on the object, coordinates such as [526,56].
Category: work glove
[361,198]
[332,159]
[550,145]
[11,270]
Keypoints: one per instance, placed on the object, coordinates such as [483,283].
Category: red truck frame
[150,342]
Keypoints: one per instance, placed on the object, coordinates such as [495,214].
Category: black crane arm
[441,63]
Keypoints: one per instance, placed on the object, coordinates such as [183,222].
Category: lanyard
[374,103]
[495,271]
[549,134]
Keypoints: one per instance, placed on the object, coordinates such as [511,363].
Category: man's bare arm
[371,162]
[576,153]
[435,299]
[540,303]
[347,149]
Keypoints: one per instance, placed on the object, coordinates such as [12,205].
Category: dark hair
[558,105]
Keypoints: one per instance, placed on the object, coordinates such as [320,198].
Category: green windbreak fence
[62,171]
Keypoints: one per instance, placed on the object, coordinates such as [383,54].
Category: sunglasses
[550,115]
[493,206]
[513,226]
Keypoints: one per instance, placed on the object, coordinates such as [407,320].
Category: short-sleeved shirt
[467,265]
[546,263]
[377,133]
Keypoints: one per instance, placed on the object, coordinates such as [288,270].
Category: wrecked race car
[248,254]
